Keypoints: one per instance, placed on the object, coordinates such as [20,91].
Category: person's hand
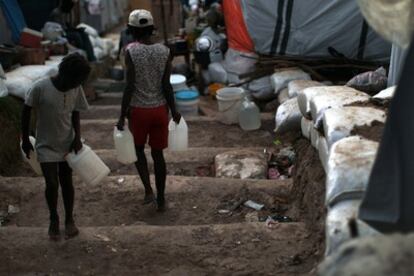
[27,147]
[121,123]
[176,117]
[76,145]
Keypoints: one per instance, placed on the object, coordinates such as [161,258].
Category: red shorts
[152,122]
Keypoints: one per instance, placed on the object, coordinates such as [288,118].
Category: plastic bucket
[187,102]
[229,102]
[178,82]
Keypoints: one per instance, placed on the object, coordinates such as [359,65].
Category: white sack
[288,117]
[323,151]
[306,95]
[386,94]
[338,123]
[349,167]
[337,225]
[3,89]
[238,63]
[282,78]
[283,96]
[261,89]
[217,72]
[20,80]
[297,86]
[320,103]
[306,126]
[314,136]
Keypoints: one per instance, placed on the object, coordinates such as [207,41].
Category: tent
[318,28]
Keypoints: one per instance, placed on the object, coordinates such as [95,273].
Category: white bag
[3,89]
[339,122]
[217,73]
[288,117]
[349,167]
[282,78]
[297,86]
[262,89]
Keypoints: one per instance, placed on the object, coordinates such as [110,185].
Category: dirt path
[206,229]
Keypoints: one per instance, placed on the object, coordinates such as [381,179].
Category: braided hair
[75,66]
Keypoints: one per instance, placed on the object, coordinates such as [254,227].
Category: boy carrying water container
[57,102]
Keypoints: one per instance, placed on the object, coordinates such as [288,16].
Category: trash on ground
[276,218]
[270,223]
[224,211]
[121,180]
[281,165]
[12,209]
[103,237]
[254,205]
[273,173]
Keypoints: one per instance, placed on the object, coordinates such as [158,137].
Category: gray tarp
[398,55]
[309,28]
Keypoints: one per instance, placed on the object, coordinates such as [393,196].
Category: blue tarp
[14,17]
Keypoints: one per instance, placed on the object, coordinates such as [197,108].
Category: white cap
[140,19]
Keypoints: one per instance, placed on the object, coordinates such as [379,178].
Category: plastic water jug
[87,165]
[124,146]
[249,115]
[178,136]
[33,157]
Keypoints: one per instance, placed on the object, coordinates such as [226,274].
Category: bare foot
[54,231]
[149,198]
[161,206]
[71,230]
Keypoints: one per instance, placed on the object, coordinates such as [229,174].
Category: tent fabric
[398,55]
[14,17]
[237,34]
[388,205]
[310,28]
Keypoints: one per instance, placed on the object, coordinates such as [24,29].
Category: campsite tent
[310,28]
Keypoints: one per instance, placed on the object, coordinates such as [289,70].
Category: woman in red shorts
[147,100]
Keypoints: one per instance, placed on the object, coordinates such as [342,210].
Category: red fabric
[237,34]
[150,123]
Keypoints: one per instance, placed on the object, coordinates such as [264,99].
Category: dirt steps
[233,249]
[193,162]
[203,132]
[118,201]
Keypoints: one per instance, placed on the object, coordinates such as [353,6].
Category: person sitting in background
[57,102]
[146,101]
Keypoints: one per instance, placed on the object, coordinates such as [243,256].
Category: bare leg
[160,170]
[68,194]
[50,173]
[142,168]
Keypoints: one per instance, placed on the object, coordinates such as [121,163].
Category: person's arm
[169,92]
[77,143]
[129,89]
[26,145]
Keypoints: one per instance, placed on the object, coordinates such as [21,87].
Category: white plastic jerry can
[249,115]
[178,135]
[34,164]
[124,146]
[87,165]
